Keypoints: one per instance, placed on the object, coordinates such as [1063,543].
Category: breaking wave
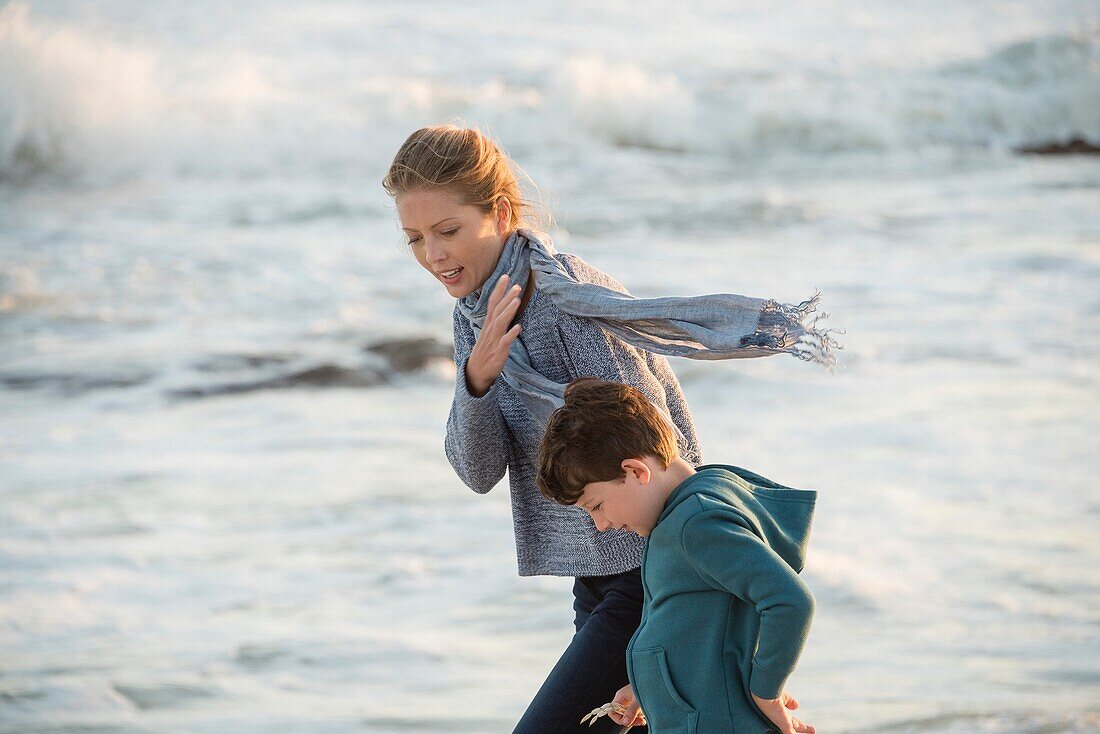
[74,102]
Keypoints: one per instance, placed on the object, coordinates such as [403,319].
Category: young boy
[725,614]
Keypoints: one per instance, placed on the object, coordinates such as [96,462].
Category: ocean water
[219,512]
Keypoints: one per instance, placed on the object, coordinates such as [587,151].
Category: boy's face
[626,503]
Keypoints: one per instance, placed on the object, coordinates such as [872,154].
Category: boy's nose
[601,523]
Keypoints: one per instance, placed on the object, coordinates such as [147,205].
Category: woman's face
[456,242]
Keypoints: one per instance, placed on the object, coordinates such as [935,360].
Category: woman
[527,321]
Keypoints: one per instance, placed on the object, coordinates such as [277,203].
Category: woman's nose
[433,251]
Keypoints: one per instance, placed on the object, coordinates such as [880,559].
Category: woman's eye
[413,240]
[451,232]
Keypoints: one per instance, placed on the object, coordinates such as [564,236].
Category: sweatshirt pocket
[665,709]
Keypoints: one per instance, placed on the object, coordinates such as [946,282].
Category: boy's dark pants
[593,667]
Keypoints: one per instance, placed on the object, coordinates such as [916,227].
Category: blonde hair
[465,161]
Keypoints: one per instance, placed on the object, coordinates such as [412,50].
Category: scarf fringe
[794,330]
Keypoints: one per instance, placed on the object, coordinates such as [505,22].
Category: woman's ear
[504,215]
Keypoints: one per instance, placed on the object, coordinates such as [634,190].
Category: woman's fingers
[508,338]
[498,288]
[501,290]
[511,303]
[501,328]
[502,312]
[498,291]
[490,352]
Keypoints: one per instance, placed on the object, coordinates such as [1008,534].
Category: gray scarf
[715,326]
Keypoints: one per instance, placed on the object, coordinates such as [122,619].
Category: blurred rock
[165,695]
[69,384]
[409,355]
[327,375]
[1076,146]
[231,362]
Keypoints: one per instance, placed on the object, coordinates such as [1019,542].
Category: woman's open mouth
[450,277]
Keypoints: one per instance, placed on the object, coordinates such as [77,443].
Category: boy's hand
[778,711]
[633,715]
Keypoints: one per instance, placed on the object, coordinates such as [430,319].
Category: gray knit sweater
[488,434]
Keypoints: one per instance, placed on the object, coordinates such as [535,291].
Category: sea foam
[75,100]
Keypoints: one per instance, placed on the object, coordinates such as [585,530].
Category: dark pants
[593,667]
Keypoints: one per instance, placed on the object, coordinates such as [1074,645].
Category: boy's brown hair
[587,439]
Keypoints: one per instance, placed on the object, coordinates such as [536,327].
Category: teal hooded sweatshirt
[725,611]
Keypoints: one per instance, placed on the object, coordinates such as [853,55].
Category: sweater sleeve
[644,370]
[730,557]
[477,441]
[676,405]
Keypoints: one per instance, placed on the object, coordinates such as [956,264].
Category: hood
[778,515]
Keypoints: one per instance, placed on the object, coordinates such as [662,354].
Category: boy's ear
[636,468]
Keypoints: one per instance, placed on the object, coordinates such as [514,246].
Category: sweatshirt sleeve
[477,441]
[731,557]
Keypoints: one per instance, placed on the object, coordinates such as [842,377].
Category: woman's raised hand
[491,350]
